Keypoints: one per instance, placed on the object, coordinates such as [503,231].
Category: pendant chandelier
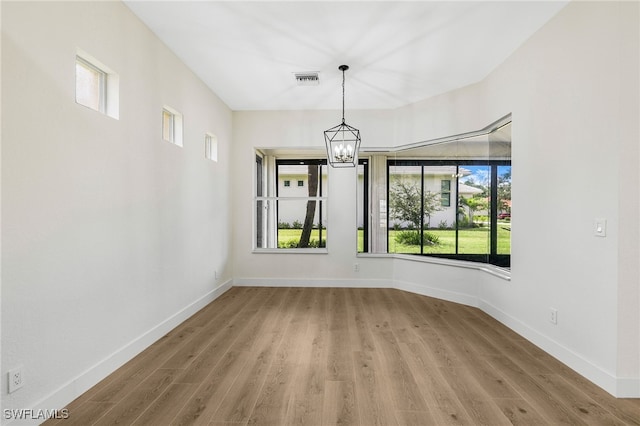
[343,141]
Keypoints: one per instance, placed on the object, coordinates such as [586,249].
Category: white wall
[573,92]
[110,236]
[278,129]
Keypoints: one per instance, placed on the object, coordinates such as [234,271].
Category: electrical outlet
[553,315]
[215,275]
[16,380]
[356,267]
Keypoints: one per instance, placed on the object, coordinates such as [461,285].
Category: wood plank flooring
[323,356]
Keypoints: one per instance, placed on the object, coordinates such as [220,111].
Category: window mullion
[103,92]
[493,210]
[365,208]
[172,128]
[457,222]
[319,193]
[422,210]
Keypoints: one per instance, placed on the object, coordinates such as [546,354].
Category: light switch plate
[600,227]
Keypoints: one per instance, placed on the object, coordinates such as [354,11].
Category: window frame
[211,147]
[102,84]
[266,225]
[168,126]
[108,85]
[175,129]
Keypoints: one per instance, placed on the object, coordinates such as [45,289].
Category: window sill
[291,251]
[497,271]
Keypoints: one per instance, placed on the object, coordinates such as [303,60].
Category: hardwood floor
[320,356]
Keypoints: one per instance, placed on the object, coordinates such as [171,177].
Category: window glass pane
[89,85]
[421,221]
[167,126]
[418,220]
[311,180]
[445,193]
[474,236]
[439,235]
[296,216]
[292,215]
[208,147]
[504,210]
[405,208]
[211,146]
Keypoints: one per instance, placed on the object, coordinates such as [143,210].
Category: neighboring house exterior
[293,181]
[438,180]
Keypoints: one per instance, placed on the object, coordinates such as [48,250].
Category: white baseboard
[84,381]
[421,289]
[310,282]
[425,290]
[618,387]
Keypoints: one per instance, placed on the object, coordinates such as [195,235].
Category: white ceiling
[399,52]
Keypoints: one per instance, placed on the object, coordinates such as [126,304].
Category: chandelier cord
[343,96]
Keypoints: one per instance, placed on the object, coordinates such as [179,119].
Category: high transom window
[97,87]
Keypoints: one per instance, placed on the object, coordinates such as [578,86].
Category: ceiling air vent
[307,79]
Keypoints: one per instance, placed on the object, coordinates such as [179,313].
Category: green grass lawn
[287,238]
[471,240]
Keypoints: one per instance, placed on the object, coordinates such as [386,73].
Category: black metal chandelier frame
[343,140]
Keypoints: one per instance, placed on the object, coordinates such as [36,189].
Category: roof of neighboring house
[430,170]
[294,170]
[466,189]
